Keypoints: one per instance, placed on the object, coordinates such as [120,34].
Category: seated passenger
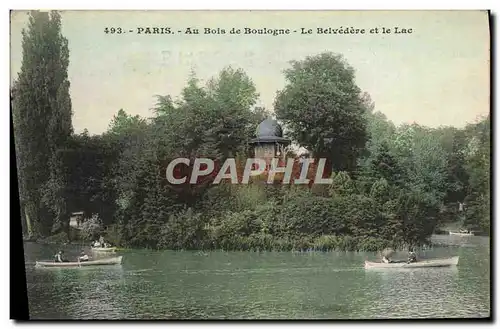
[412,257]
[59,257]
[83,257]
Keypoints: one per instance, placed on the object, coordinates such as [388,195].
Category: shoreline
[289,248]
[292,246]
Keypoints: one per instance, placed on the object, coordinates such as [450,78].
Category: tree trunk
[28,221]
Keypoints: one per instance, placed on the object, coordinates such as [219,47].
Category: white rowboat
[453,261]
[98,262]
[462,234]
[99,249]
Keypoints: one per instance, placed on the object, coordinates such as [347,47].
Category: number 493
[113,30]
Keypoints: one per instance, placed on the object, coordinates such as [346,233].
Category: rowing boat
[99,249]
[98,262]
[462,234]
[442,262]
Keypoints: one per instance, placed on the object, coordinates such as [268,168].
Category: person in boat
[59,257]
[101,240]
[96,244]
[386,260]
[83,257]
[386,255]
[412,257]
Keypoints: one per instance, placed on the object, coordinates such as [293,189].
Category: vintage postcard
[252,164]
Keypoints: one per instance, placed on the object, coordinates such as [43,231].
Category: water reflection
[422,293]
[239,285]
[73,290]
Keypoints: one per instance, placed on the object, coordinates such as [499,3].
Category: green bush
[59,238]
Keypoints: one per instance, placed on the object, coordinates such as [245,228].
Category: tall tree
[420,152]
[42,119]
[380,130]
[324,109]
[384,165]
[454,143]
[478,164]
[233,95]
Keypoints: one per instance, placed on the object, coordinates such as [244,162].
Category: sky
[436,75]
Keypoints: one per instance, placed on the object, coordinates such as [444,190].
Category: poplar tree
[41,108]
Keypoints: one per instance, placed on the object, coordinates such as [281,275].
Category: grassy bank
[254,242]
[263,242]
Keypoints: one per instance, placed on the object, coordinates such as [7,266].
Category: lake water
[268,285]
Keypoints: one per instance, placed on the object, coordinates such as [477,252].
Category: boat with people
[102,246]
[97,262]
[437,262]
[462,233]
[102,249]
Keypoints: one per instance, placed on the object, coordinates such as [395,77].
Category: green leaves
[323,109]
[477,163]
[389,188]
[212,121]
[42,119]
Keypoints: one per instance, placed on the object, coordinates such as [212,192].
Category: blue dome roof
[269,131]
[269,128]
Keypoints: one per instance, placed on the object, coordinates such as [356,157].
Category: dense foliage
[392,186]
[41,108]
[323,109]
